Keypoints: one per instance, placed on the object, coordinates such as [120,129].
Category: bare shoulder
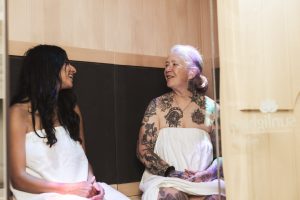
[77,109]
[164,101]
[165,97]
[19,110]
[19,116]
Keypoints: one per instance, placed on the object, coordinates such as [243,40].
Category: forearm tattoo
[147,156]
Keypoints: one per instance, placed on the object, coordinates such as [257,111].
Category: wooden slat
[18,48]
[130,189]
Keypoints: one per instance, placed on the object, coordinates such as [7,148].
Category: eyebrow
[171,61]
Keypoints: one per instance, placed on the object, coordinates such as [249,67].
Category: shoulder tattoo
[150,111]
[199,99]
[165,101]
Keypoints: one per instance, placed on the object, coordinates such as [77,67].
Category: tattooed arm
[211,173]
[146,142]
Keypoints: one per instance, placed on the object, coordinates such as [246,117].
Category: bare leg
[171,194]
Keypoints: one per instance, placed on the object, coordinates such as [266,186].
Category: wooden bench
[129,189]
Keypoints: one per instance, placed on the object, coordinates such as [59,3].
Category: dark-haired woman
[46,140]
[174,140]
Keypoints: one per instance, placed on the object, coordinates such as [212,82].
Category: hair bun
[204,81]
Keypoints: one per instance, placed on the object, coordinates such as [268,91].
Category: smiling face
[67,73]
[176,72]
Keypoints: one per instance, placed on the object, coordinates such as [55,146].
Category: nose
[73,69]
[168,68]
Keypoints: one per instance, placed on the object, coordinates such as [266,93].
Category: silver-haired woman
[174,140]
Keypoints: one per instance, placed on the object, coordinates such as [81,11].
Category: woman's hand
[97,191]
[83,189]
[202,176]
[100,192]
[211,173]
[179,174]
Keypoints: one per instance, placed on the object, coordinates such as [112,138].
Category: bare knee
[171,194]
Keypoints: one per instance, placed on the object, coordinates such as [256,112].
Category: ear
[192,73]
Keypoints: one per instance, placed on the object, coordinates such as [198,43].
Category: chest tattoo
[198,116]
[173,117]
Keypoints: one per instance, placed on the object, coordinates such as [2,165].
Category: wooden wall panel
[130,27]
[259,58]
[265,46]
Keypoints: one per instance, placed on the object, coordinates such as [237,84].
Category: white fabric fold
[183,148]
[64,162]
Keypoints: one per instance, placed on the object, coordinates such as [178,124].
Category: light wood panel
[259,58]
[266,48]
[2,150]
[130,189]
[129,27]
[18,48]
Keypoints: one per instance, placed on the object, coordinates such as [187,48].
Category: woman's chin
[169,85]
[65,87]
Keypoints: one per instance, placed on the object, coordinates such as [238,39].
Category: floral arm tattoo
[146,143]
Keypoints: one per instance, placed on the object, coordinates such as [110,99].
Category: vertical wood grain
[259,57]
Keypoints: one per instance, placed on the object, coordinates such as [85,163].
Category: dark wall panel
[94,86]
[136,87]
[15,70]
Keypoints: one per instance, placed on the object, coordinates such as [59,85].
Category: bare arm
[81,133]
[20,179]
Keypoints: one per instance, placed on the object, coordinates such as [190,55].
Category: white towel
[64,162]
[183,148]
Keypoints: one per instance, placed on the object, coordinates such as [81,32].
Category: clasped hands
[194,176]
[97,192]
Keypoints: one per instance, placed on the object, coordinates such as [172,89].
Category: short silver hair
[189,54]
[193,59]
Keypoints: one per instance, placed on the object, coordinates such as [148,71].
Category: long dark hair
[40,83]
